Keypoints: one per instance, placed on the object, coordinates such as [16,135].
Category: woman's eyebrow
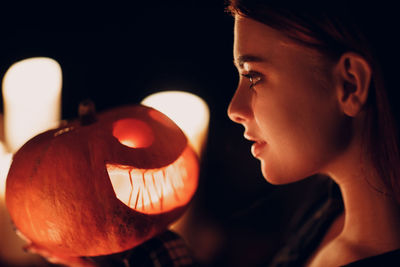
[239,61]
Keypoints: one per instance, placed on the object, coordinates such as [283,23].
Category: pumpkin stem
[87,112]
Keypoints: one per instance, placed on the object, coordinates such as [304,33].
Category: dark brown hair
[335,27]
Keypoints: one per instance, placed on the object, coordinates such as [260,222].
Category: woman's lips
[258,145]
[257,148]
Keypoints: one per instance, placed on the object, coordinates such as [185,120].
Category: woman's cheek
[290,154]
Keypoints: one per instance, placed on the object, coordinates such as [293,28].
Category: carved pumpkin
[95,188]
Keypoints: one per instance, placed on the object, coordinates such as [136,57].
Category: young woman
[316,96]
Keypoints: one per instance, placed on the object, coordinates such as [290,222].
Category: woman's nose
[239,109]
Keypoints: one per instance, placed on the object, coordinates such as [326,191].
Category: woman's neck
[372,216]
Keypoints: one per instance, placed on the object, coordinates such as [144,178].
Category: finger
[57,259]
[22,236]
[32,248]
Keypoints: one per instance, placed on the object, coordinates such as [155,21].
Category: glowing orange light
[154,191]
[133,133]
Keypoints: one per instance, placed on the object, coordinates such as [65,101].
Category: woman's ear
[354,78]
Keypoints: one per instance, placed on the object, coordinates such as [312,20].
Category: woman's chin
[277,180]
[275,177]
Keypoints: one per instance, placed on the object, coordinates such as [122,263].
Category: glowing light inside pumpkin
[32,99]
[187,110]
[155,190]
[133,133]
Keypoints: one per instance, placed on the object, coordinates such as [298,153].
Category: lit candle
[187,110]
[32,99]
[32,104]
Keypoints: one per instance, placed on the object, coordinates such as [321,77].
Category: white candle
[32,99]
[187,110]
[32,104]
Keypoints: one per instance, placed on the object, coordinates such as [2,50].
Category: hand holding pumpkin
[60,260]
[52,258]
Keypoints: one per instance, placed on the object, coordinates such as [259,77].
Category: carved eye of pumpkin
[133,133]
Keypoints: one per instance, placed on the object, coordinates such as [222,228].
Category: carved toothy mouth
[153,191]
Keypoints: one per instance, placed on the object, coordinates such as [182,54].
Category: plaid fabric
[165,250]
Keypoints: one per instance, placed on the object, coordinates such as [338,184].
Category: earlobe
[354,73]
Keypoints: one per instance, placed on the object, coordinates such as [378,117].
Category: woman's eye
[253,78]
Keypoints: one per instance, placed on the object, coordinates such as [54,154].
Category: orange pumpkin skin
[60,196]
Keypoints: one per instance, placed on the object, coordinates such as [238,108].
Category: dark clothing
[309,228]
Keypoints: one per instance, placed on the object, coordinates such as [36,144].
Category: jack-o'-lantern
[96,187]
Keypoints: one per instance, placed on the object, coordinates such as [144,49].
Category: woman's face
[286,101]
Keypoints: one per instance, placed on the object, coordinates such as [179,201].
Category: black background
[118,54]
